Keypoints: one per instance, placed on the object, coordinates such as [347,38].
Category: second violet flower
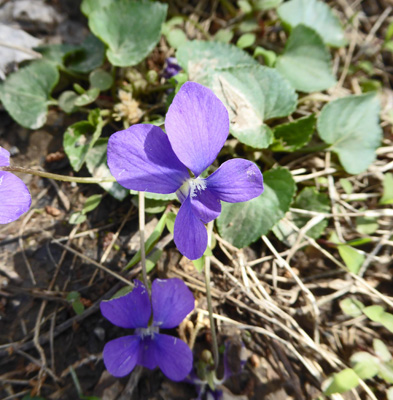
[144,158]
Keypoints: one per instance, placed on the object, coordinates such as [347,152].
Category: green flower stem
[216,356]
[314,149]
[141,205]
[57,177]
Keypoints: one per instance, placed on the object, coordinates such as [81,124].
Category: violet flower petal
[15,198]
[189,234]
[141,158]
[148,357]
[122,355]
[235,181]
[174,357]
[197,125]
[4,157]
[172,301]
[206,205]
[130,311]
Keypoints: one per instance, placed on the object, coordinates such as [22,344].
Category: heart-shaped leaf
[314,14]
[25,93]
[252,95]
[131,29]
[243,223]
[199,59]
[306,61]
[351,126]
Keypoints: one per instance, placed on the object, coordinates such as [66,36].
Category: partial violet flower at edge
[144,158]
[15,198]
[171,302]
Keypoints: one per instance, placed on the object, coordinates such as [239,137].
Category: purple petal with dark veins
[4,157]
[130,311]
[197,125]
[190,234]
[206,205]
[172,301]
[15,198]
[122,355]
[235,181]
[141,158]
[173,356]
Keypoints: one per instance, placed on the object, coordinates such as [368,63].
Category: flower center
[149,331]
[191,187]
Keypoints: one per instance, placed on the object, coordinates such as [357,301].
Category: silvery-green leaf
[306,61]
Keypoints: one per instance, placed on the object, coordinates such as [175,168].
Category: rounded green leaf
[343,381]
[365,365]
[314,14]
[252,95]
[243,223]
[306,61]
[25,93]
[199,59]
[100,79]
[131,29]
[351,126]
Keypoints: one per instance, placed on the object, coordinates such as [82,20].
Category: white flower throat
[191,187]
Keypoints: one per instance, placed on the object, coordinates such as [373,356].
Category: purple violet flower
[144,158]
[15,198]
[172,68]
[171,301]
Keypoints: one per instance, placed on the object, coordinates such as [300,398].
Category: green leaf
[176,37]
[310,199]
[294,135]
[67,101]
[246,40]
[306,61]
[170,222]
[366,225]
[76,143]
[199,59]
[365,365]
[91,203]
[78,307]
[350,125]
[199,264]
[25,93]
[389,393]
[150,242]
[131,29]
[314,14]
[374,312]
[381,350]
[387,197]
[223,35]
[57,52]
[151,206]
[351,257]
[96,163]
[351,307]
[89,56]
[342,382]
[252,95]
[77,218]
[152,259]
[101,79]
[346,185]
[269,56]
[243,223]
[386,372]
[88,97]
[264,5]
[88,6]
